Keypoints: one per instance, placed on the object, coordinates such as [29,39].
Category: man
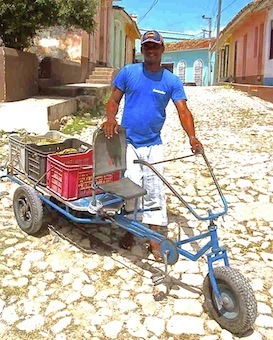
[148,88]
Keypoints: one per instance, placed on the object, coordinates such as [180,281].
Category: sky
[183,16]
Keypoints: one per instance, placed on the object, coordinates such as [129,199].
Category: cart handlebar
[211,215]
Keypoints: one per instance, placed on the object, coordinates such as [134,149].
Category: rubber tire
[245,304]
[28,209]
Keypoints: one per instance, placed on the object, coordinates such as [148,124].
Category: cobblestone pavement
[52,289]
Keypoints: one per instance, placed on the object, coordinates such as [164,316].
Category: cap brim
[152,40]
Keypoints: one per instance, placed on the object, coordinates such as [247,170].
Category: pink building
[244,46]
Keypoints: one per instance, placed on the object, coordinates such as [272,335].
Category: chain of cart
[72,176]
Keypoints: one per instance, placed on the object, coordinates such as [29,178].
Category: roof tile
[188,44]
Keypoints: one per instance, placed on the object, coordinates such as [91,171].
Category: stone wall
[252,80]
[62,72]
[2,75]
[18,74]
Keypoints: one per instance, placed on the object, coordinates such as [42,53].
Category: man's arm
[110,126]
[187,123]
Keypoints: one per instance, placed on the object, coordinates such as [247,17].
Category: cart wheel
[239,309]
[28,209]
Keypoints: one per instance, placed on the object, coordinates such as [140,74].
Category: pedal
[160,296]
[158,278]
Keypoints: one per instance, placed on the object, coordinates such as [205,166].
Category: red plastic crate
[70,176]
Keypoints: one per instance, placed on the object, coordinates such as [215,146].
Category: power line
[228,6]
[208,3]
[174,33]
[214,9]
[152,6]
[164,31]
[213,15]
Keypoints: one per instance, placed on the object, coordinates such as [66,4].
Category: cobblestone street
[51,288]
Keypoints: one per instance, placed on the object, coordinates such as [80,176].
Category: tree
[21,19]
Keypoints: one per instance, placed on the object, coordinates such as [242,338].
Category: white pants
[145,177]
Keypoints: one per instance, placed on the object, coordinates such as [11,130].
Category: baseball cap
[152,36]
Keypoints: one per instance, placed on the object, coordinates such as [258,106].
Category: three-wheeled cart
[90,179]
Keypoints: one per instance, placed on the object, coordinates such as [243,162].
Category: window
[271,42]
[244,56]
[260,49]
[224,61]
[235,60]
[255,42]
[182,70]
[198,72]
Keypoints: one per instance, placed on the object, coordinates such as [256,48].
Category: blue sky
[183,16]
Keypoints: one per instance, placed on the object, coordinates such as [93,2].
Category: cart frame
[108,207]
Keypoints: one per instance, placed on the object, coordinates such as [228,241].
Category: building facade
[124,32]
[245,46]
[191,60]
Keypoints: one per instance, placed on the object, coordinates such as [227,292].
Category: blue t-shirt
[146,97]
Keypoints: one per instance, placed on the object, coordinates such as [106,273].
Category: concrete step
[86,102]
[45,82]
[109,72]
[71,91]
[99,81]
[37,114]
[101,68]
[100,76]
[98,89]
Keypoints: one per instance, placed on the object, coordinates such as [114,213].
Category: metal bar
[193,238]
[195,256]
[73,218]
[212,257]
[136,228]
[172,159]
[211,215]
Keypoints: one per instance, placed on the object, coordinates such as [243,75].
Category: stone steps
[101,75]
[99,80]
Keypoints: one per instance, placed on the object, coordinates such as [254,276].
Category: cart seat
[109,155]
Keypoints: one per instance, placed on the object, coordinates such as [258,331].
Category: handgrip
[199,150]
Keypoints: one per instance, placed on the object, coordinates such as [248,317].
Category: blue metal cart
[229,298]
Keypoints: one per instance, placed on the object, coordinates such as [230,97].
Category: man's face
[152,52]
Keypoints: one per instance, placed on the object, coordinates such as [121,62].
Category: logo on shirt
[159,91]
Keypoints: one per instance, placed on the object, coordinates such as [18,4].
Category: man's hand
[110,127]
[195,144]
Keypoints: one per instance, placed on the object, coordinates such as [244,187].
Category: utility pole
[216,66]
[209,52]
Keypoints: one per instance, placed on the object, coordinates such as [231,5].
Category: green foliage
[228,86]
[76,125]
[21,19]
[82,120]
[78,14]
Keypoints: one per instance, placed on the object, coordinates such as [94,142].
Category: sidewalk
[32,114]
[261,91]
